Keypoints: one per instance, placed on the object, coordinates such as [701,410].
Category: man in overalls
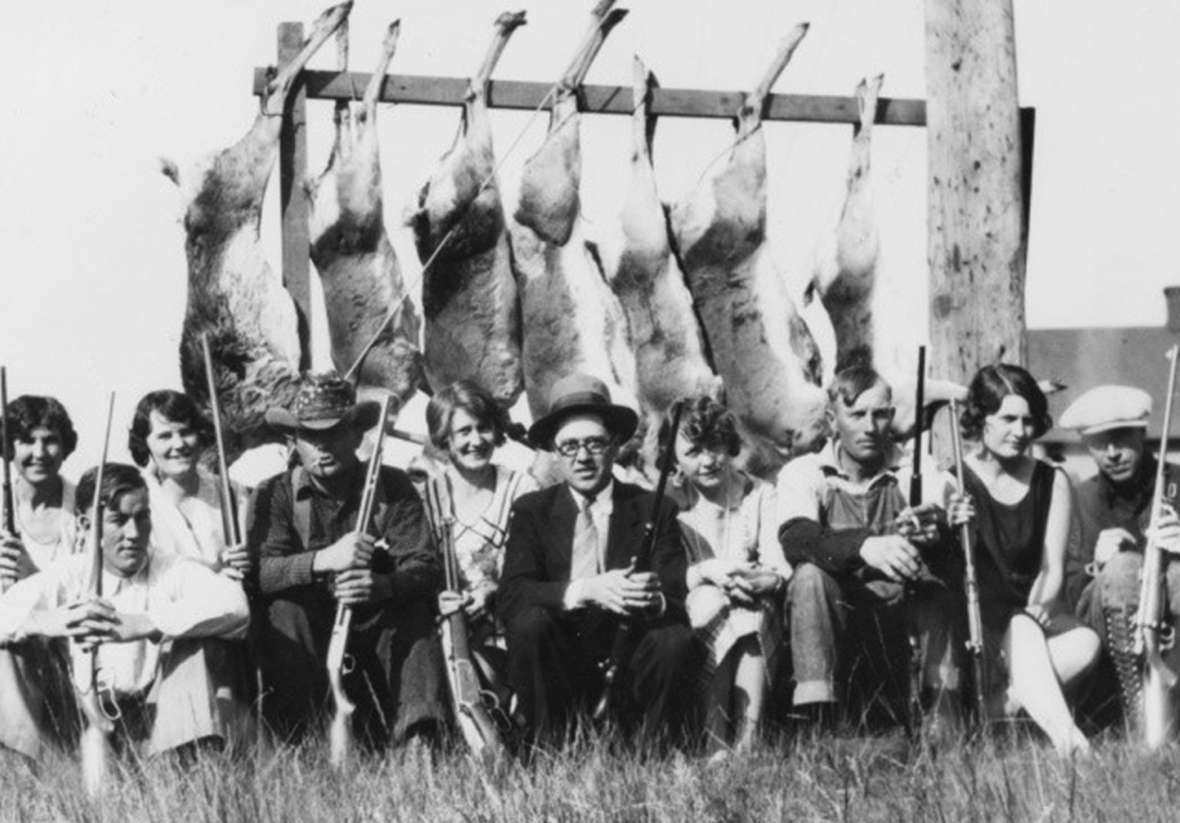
[867,566]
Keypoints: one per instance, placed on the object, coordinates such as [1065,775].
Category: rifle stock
[970,583]
[94,745]
[1150,630]
[339,662]
[610,668]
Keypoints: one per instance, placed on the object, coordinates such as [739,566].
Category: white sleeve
[195,601]
[37,592]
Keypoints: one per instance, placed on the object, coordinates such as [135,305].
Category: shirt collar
[602,501]
[829,462]
[306,487]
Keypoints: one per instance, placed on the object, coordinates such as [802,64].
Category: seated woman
[42,437]
[736,575]
[465,422]
[168,436]
[1019,509]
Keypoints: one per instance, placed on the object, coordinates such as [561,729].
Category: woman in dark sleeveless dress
[1020,510]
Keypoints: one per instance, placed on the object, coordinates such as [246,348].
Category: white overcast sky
[94,281]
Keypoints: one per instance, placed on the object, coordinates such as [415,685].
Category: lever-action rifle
[8,502]
[339,662]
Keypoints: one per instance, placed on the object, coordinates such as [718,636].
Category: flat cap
[1108,407]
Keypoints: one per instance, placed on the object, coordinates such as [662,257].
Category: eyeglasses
[593,445]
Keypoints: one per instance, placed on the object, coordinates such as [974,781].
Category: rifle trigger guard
[107,704]
[1167,637]
[347,664]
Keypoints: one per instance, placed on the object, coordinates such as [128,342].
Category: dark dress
[1009,543]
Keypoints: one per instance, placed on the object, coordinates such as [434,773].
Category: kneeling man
[155,611]
[574,569]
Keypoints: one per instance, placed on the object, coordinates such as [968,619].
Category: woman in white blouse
[168,436]
[736,572]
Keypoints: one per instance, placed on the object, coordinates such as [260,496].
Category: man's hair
[988,389]
[117,480]
[473,399]
[172,406]
[30,411]
[703,422]
[851,382]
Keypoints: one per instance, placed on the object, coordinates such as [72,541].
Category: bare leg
[1034,686]
[1073,654]
[749,693]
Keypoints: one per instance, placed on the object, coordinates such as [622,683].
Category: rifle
[611,666]
[1151,635]
[339,662]
[970,583]
[8,502]
[471,702]
[915,671]
[94,744]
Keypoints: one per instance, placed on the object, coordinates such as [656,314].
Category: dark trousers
[554,667]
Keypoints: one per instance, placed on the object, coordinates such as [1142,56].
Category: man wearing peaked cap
[1105,555]
[576,565]
[310,559]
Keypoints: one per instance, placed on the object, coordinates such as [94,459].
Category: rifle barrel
[9,504]
[231,529]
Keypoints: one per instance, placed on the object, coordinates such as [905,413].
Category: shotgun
[473,705]
[339,661]
[95,741]
[970,583]
[611,666]
[1152,636]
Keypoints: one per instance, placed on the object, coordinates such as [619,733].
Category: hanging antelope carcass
[867,303]
[469,292]
[233,295]
[664,332]
[371,321]
[572,321]
[760,346]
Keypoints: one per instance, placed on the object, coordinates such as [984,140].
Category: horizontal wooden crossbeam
[527,96]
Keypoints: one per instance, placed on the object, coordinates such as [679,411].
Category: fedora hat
[323,402]
[582,394]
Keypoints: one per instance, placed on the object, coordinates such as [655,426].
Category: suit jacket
[540,547]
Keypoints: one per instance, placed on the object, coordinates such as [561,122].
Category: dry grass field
[833,778]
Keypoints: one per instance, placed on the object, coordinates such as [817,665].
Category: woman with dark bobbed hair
[736,572]
[1019,509]
[467,425]
[41,437]
[167,438]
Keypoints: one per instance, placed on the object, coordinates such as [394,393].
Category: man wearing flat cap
[1114,509]
[310,559]
[575,568]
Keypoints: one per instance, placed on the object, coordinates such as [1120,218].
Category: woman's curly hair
[173,406]
[703,422]
[30,411]
[988,389]
[473,399]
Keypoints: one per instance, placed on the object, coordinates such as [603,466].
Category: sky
[95,275]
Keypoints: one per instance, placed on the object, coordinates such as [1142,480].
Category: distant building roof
[1086,357]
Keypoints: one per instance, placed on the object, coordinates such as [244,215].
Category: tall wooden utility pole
[977,237]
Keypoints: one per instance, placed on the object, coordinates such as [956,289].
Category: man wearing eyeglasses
[575,570]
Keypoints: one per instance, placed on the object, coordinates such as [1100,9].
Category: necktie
[584,562]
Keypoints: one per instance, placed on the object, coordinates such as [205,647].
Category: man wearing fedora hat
[1105,556]
[310,559]
[574,568]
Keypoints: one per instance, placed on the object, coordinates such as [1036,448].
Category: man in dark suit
[575,569]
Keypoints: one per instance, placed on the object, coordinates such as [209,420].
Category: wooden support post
[292,199]
[977,235]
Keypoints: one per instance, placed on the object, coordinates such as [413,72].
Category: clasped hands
[474,602]
[624,591]
[351,558]
[236,562]
[742,582]
[91,621]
